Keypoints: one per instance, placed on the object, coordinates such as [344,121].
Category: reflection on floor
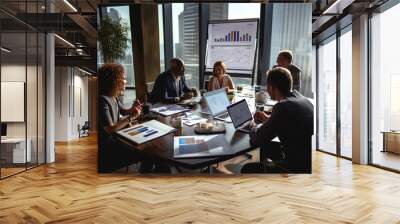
[9,170]
[386,159]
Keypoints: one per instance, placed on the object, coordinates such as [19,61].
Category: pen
[151,133]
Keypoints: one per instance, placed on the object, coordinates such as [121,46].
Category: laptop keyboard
[223,116]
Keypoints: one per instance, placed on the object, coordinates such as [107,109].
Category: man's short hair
[286,54]
[178,62]
[281,79]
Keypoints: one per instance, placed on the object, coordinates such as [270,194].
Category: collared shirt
[176,84]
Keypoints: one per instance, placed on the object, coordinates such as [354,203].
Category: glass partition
[385,89]
[22,90]
[327,96]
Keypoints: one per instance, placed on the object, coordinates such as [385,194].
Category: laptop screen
[240,113]
[217,101]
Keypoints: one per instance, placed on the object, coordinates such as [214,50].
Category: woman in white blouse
[220,79]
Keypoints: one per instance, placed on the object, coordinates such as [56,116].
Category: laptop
[241,116]
[217,102]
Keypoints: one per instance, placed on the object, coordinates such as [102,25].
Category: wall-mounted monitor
[12,101]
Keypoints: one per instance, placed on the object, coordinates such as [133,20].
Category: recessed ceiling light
[65,41]
[5,50]
[70,5]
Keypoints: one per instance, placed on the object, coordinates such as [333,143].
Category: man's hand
[187,96]
[194,92]
[260,117]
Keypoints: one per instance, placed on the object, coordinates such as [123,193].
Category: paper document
[146,131]
[168,110]
[201,146]
[191,119]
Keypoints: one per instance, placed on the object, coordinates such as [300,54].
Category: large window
[385,84]
[121,13]
[161,36]
[327,96]
[185,27]
[291,30]
[346,93]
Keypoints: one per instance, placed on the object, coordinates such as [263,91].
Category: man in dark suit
[170,86]
[291,121]
[285,59]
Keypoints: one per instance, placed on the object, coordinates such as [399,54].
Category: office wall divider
[25,61]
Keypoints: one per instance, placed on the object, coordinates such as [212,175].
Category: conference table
[162,149]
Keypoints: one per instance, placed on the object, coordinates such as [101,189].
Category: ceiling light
[5,50]
[84,71]
[337,7]
[65,41]
[70,5]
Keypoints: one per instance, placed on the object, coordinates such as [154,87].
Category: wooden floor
[70,191]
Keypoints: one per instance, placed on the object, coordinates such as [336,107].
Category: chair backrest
[206,84]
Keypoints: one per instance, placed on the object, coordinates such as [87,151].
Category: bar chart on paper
[234,43]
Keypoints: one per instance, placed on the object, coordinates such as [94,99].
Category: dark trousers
[114,155]
[272,152]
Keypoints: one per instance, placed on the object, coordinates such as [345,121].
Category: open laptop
[241,116]
[217,102]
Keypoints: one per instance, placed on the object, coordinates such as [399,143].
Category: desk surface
[163,148]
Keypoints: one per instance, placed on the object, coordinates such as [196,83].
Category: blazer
[292,121]
[164,88]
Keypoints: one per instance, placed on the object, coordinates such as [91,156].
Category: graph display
[234,43]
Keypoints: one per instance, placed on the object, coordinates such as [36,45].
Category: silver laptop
[241,116]
[217,102]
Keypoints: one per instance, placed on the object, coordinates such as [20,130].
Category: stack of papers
[146,131]
[168,110]
[191,119]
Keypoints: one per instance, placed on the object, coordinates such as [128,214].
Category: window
[161,36]
[346,93]
[122,12]
[385,84]
[291,30]
[185,27]
[327,96]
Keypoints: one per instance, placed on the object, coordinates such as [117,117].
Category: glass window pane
[123,13]
[13,84]
[327,96]
[185,26]
[346,94]
[294,33]
[385,84]
[161,33]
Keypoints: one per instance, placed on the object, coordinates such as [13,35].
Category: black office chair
[84,130]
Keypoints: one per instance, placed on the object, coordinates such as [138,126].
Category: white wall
[71,102]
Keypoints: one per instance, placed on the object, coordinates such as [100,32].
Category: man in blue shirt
[170,86]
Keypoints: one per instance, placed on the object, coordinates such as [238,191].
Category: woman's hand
[260,117]
[136,109]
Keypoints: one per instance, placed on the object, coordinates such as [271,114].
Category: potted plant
[113,38]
